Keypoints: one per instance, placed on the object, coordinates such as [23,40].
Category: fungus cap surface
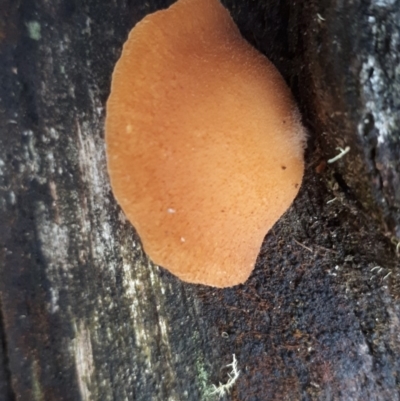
[204,142]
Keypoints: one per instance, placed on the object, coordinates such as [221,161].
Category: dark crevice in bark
[6,390]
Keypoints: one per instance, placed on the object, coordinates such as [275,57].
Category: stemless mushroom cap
[204,142]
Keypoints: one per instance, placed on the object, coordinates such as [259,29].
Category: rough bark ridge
[85,315]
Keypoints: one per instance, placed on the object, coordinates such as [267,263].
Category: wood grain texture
[86,316]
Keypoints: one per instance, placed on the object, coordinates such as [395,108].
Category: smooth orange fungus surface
[204,142]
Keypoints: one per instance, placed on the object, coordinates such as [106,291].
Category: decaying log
[84,313]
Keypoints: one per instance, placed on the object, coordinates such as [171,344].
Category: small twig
[325,249]
[387,275]
[306,247]
[378,272]
[330,201]
[340,155]
[395,241]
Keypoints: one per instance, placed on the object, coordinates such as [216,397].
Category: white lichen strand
[223,389]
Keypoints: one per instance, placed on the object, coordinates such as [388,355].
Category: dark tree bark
[86,316]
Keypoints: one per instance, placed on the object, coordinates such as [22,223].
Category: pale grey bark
[87,316]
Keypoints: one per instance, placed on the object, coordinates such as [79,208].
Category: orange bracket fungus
[204,142]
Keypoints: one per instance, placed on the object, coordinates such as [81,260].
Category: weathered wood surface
[86,316]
